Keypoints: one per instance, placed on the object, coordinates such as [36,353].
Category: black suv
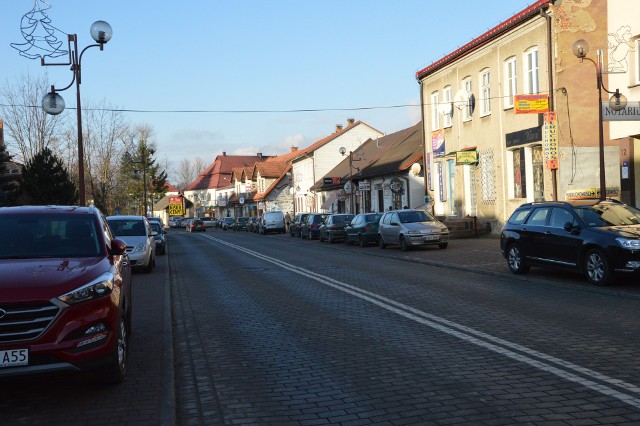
[597,238]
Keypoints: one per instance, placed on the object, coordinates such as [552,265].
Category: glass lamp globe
[618,102]
[580,48]
[53,103]
[101,32]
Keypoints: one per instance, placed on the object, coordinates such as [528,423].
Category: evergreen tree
[9,183]
[47,181]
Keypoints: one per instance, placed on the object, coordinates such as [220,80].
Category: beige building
[488,147]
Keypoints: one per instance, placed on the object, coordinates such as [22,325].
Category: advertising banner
[531,104]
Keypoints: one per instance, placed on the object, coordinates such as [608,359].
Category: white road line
[563,368]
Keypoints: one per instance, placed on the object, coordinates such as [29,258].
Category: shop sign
[396,185]
[437,142]
[591,193]
[630,113]
[364,185]
[550,140]
[331,180]
[176,207]
[531,104]
[466,157]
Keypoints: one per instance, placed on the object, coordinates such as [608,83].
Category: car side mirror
[568,226]
[118,247]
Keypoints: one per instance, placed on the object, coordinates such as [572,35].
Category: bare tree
[28,129]
[188,171]
[104,131]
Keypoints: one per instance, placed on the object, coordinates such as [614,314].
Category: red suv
[65,293]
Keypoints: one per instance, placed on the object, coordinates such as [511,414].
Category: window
[435,117]
[539,217]
[531,71]
[519,174]
[511,82]
[467,110]
[485,92]
[559,217]
[446,100]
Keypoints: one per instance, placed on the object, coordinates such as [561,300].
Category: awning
[333,197]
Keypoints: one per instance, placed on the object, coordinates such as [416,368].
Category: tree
[9,182]
[47,181]
[188,171]
[28,129]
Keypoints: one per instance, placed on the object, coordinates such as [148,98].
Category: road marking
[562,368]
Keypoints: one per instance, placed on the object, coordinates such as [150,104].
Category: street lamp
[617,102]
[53,103]
[343,151]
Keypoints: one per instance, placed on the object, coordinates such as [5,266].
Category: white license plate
[14,357]
[431,237]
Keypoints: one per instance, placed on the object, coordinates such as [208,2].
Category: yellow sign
[466,157]
[176,208]
[591,193]
[531,104]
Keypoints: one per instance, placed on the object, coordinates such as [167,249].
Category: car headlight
[140,247]
[414,232]
[100,287]
[628,243]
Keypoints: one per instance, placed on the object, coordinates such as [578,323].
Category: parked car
[209,222]
[65,293]
[272,222]
[252,224]
[174,221]
[596,238]
[137,233]
[310,228]
[160,238]
[332,229]
[156,219]
[240,224]
[228,222]
[196,225]
[411,228]
[363,229]
[294,228]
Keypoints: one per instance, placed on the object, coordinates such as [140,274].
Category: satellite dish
[460,99]
[445,109]
[415,169]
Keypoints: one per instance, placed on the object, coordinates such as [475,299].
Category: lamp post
[53,103]
[343,151]
[617,102]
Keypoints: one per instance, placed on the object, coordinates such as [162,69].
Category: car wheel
[596,268]
[404,246]
[116,369]
[515,260]
[363,242]
[381,242]
[443,245]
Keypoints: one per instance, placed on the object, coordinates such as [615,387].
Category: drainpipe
[543,13]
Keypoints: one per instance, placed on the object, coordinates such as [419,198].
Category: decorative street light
[617,102]
[53,103]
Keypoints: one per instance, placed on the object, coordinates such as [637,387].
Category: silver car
[411,228]
[137,233]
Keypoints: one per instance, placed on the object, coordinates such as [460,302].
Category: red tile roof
[218,174]
[493,33]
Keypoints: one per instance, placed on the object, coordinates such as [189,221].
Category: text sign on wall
[531,104]
[630,113]
[550,140]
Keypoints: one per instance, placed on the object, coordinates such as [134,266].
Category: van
[272,222]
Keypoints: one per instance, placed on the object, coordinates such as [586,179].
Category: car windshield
[156,227]
[28,236]
[373,217]
[415,216]
[609,215]
[127,227]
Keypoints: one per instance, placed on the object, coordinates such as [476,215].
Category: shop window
[519,173]
[537,163]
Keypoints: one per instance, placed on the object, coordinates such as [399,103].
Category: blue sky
[333,56]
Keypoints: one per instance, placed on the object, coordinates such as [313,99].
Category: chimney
[294,148]
[350,121]
[259,155]
[224,153]
[338,127]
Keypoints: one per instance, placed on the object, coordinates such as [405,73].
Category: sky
[213,76]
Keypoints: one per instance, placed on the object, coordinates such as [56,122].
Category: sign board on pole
[550,140]
[176,207]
